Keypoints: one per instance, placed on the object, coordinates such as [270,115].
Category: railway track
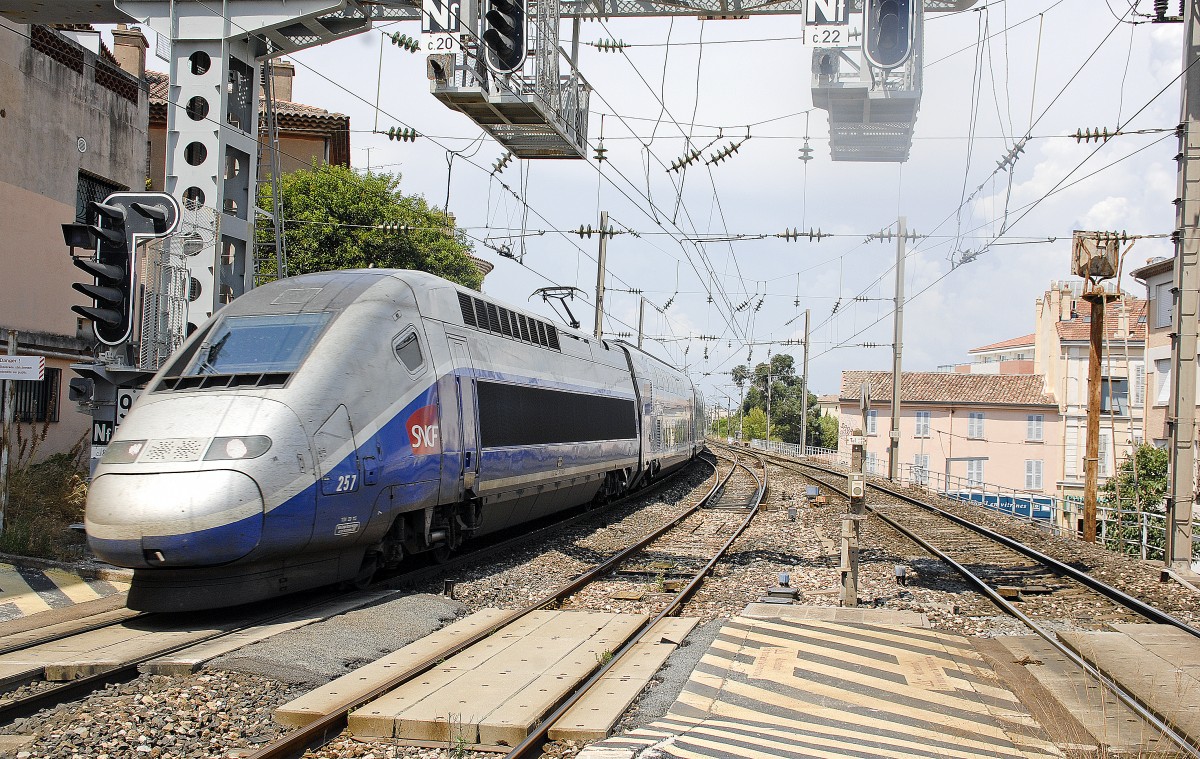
[740,488]
[1040,591]
[24,692]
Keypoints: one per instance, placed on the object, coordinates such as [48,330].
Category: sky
[999,71]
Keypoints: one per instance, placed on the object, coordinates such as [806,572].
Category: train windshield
[258,344]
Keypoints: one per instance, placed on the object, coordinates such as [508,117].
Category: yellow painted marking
[72,586]
[915,737]
[843,669]
[14,590]
[835,633]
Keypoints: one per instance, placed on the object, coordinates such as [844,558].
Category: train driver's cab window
[408,352]
[258,344]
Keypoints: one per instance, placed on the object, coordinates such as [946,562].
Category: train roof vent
[505,324]
[467,306]
[552,336]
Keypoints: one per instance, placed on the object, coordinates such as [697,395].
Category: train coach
[323,426]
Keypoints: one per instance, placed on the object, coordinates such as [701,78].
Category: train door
[342,508]
[464,381]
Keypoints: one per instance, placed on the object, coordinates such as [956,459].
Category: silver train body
[323,426]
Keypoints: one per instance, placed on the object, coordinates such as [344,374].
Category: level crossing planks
[811,687]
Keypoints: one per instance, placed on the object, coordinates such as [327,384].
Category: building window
[91,188]
[1033,427]
[1162,380]
[922,424]
[36,401]
[1139,385]
[1102,455]
[1033,474]
[921,468]
[872,420]
[872,463]
[1114,396]
[975,473]
[1164,302]
[975,425]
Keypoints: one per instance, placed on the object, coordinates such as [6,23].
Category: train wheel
[441,554]
[366,573]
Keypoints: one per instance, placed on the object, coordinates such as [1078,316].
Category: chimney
[129,48]
[281,81]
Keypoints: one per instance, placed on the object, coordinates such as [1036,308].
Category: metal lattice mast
[275,247]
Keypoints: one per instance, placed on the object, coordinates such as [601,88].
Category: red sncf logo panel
[423,434]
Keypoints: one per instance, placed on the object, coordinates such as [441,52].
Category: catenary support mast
[1182,412]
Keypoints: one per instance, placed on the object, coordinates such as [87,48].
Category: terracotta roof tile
[949,387]
[1078,329]
[294,115]
[1013,342]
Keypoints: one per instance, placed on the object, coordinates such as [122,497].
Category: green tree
[755,425]
[1138,487]
[824,433]
[333,215]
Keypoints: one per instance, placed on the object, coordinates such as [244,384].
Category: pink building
[974,429]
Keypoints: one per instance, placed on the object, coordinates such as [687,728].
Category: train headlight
[123,452]
[247,447]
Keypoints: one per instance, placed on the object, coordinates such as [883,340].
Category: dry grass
[45,498]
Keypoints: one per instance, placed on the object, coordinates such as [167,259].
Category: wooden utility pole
[1092,457]
[1181,493]
[600,274]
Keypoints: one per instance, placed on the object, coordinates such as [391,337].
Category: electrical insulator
[500,163]
[405,42]
[610,46]
[806,152]
[403,135]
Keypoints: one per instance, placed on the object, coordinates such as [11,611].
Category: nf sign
[827,12]
[441,25]
[22,368]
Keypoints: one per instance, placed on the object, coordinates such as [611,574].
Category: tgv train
[321,427]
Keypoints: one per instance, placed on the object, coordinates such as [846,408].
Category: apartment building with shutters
[1015,418]
[1063,337]
[1158,277]
[964,429]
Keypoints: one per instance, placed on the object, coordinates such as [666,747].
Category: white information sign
[22,368]
[441,26]
[125,398]
[833,25]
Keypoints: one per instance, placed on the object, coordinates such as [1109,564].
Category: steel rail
[334,722]
[1113,594]
[1187,744]
[124,672]
[531,745]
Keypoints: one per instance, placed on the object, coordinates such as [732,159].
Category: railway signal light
[888,27]
[504,34]
[122,221]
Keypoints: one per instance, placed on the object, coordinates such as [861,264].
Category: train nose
[174,519]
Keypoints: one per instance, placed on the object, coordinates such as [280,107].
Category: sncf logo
[423,433]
